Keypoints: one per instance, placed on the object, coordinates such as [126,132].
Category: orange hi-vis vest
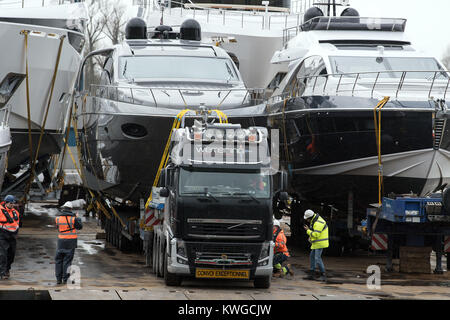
[280,242]
[66,227]
[9,219]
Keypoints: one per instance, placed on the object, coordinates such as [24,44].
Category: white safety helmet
[67,205]
[276,223]
[308,214]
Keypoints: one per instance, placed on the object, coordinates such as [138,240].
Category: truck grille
[230,255]
[224,231]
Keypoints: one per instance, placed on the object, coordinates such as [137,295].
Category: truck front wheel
[170,279]
[262,282]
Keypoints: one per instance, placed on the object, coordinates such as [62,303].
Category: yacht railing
[271,20]
[152,96]
[35,3]
[413,84]
[345,23]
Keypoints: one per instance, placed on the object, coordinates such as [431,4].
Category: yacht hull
[329,148]
[43,47]
[122,163]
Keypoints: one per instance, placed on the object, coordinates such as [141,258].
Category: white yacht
[41,52]
[340,68]
[250,31]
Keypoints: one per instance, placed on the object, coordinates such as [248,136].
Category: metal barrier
[433,84]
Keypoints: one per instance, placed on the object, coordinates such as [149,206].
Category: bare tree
[94,32]
[446,58]
[114,19]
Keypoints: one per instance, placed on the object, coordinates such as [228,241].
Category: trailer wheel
[446,200]
[171,279]
[262,282]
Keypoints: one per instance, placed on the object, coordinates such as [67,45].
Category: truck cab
[218,192]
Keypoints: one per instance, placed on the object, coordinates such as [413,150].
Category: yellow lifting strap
[377,125]
[222,116]
[27,81]
[165,158]
[52,87]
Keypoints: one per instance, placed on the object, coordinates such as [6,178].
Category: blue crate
[404,209]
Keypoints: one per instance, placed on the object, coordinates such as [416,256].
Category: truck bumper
[264,271]
[179,264]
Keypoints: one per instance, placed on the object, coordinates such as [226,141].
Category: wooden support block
[415,259]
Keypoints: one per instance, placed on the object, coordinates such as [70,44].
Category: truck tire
[262,282]
[154,252]
[161,257]
[171,279]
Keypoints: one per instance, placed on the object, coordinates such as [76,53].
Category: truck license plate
[225,274]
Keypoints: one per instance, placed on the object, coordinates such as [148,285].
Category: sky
[428,21]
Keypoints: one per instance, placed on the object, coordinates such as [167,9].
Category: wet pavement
[107,273]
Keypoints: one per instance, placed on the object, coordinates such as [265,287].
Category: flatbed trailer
[405,222]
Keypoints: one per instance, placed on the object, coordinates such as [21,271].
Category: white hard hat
[276,222]
[68,205]
[308,214]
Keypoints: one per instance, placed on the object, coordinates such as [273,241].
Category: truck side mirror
[284,196]
[164,192]
[162,178]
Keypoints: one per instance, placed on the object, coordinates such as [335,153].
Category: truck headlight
[265,250]
[181,248]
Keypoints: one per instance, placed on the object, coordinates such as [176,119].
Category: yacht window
[8,87]
[368,67]
[176,67]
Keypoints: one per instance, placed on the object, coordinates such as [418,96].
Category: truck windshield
[367,65]
[225,184]
[176,67]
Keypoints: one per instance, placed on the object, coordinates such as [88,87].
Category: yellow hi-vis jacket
[318,233]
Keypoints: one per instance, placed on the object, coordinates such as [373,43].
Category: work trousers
[315,258]
[7,252]
[63,261]
[279,258]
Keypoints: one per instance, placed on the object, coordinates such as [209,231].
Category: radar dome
[350,12]
[312,13]
[190,30]
[136,29]
[350,15]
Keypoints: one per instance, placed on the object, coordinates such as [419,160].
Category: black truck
[212,214]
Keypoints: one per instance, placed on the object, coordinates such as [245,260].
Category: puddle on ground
[90,247]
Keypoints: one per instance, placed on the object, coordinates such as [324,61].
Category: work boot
[6,275]
[310,275]
[278,274]
[59,281]
[323,278]
[290,270]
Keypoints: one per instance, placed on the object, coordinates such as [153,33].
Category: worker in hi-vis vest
[281,253]
[67,223]
[317,232]
[9,227]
